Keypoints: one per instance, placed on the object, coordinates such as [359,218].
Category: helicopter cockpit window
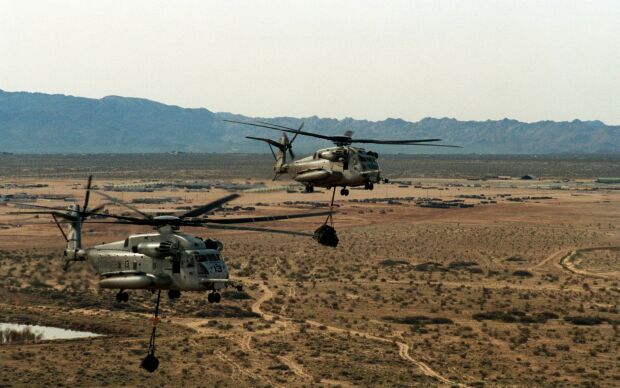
[207,257]
[369,162]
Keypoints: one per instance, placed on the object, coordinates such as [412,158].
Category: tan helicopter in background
[165,259]
[340,166]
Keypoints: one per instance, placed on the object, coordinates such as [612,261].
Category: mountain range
[54,123]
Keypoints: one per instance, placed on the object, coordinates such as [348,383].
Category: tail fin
[74,251]
[281,146]
[74,236]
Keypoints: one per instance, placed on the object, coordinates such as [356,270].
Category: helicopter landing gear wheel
[309,189]
[150,363]
[214,297]
[344,191]
[369,186]
[174,294]
[122,296]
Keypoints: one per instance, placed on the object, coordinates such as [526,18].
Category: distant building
[608,180]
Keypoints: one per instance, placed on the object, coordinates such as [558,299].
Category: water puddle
[9,332]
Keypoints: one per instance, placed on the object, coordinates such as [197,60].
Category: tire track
[552,257]
[567,262]
[403,348]
[403,351]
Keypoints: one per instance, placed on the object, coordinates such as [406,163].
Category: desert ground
[519,290]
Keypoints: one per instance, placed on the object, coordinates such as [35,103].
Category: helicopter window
[368,162]
[208,257]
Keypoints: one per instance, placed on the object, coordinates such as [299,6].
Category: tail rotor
[75,216]
[284,146]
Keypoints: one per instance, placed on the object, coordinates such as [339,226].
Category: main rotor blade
[246,220]
[210,206]
[295,137]
[121,203]
[128,219]
[95,210]
[269,141]
[254,229]
[65,216]
[63,222]
[436,145]
[69,217]
[404,142]
[38,206]
[282,128]
[297,131]
[343,139]
[375,141]
[86,198]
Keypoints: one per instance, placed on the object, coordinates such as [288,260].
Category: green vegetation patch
[588,320]
[419,320]
[226,312]
[393,262]
[515,316]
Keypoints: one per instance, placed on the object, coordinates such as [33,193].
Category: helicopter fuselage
[335,166]
[173,261]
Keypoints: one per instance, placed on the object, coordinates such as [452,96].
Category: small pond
[46,332]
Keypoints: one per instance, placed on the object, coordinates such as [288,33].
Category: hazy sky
[528,60]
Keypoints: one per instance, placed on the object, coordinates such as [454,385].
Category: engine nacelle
[156,250]
[330,155]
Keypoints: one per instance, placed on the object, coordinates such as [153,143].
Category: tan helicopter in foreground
[340,166]
[165,259]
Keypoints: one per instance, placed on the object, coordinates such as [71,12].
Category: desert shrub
[392,262]
[522,273]
[430,267]
[585,320]
[238,295]
[514,316]
[419,320]
[226,312]
[461,264]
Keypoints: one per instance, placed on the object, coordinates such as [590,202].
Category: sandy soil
[412,296]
